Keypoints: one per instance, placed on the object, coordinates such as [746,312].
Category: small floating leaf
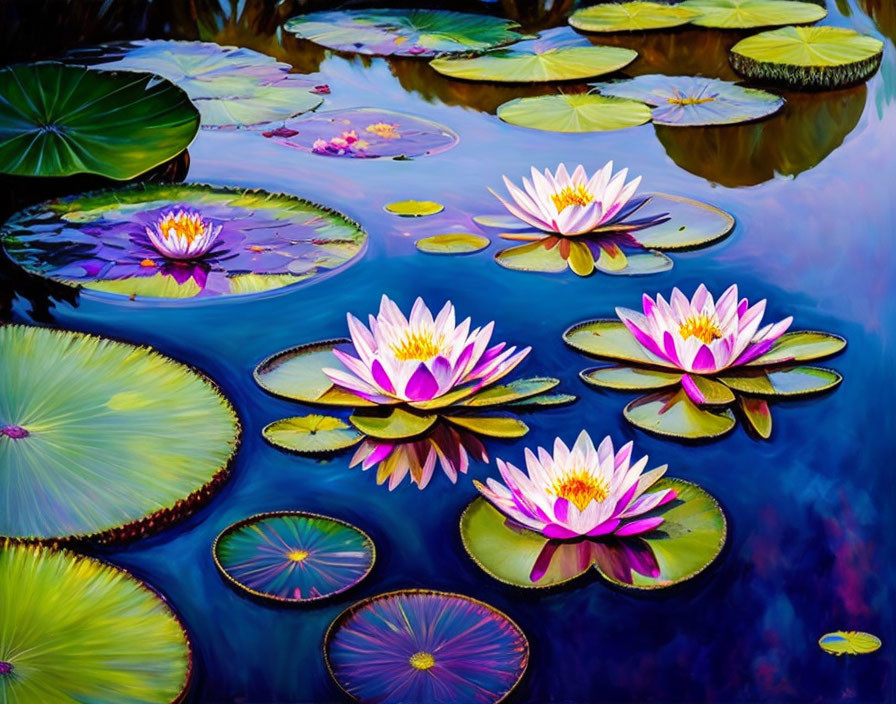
[543,400]
[398,424]
[578,112]
[501,222]
[800,347]
[629,378]
[491,426]
[453,243]
[757,414]
[748,14]
[849,643]
[610,339]
[673,414]
[795,381]
[508,393]
[312,434]
[690,223]
[413,208]
[630,17]
[543,256]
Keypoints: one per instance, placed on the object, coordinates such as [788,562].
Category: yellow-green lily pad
[311,434]
[413,208]
[452,243]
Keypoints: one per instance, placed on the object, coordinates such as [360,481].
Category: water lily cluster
[345,143]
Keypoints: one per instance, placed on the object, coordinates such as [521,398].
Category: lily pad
[311,434]
[413,208]
[508,393]
[624,378]
[396,32]
[542,400]
[819,58]
[293,557]
[849,643]
[630,17]
[74,629]
[795,381]
[452,243]
[690,538]
[362,133]
[102,439]
[58,120]
[231,86]
[397,424]
[610,339]
[583,255]
[558,54]
[800,346]
[705,391]
[673,414]
[749,14]
[491,426]
[757,415]
[690,101]
[99,241]
[689,223]
[578,112]
[501,222]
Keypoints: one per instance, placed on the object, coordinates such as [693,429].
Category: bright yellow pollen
[418,345]
[422,661]
[188,225]
[689,101]
[297,555]
[701,326]
[147,263]
[385,130]
[581,488]
[571,196]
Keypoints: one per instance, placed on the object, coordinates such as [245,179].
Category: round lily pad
[501,222]
[362,133]
[584,255]
[579,112]
[792,381]
[397,32]
[622,378]
[58,120]
[690,538]
[395,424]
[292,556]
[610,339]
[849,643]
[800,346]
[99,241]
[491,426]
[808,57]
[452,243]
[74,629]
[673,414]
[691,101]
[102,439]
[558,54]
[630,17]
[231,86]
[748,14]
[413,208]
[425,646]
[311,434]
[511,392]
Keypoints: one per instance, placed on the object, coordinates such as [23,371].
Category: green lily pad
[558,54]
[543,256]
[396,32]
[501,222]
[58,120]
[624,378]
[578,112]
[818,58]
[691,223]
[687,542]
[711,392]
[610,339]
[452,243]
[795,381]
[74,629]
[801,346]
[748,14]
[413,208]
[757,414]
[81,420]
[312,434]
[630,17]
[491,426]
[554,255]
[397,424]
[508,393]
[673,414]
[543,400]
[849,643]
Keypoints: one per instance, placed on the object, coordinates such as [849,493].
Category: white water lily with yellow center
[581,491]
[183,235]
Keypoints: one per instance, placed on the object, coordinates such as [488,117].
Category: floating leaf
[413,208]
[452,243]
[849,643]
[801,346]
[640,262]
[396,32]
[558,54]
[427,647]
[543,400]
[82,418]
[58,120]
[629,378]
[706,391]
[508,393]
[543,256]
[73,629]
[311,434]
[99,241]
[397,424]
[748,14]
[757,414]
[612,340]
[293,557]
[689,101]
[673,414]
[690,223]
[630,17]
[808,57]
[795,381]
[501,222]
[491,426]
[578,112]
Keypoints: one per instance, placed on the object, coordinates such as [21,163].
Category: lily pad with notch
[576,112]
[311,434]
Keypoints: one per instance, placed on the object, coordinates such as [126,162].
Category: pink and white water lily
[581,491]
[572,204]
[421,358]
[183,235]
[701,335]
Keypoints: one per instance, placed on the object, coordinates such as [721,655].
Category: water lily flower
[183,235]
[701,335]
[420,358]
[579,492]
[576,204]
[344,143]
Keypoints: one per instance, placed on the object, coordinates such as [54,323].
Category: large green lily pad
[630,17]
[58,120]
[578,112]
[673,414]
[808,57]
[312,434]
[103,439]
[687,542]
[800,346]
[583,255]
[793,381]
[511,392]
[610,339]
[74,629]
[491,426]
[622,378]
[690,224]
[748,14]
[394,424]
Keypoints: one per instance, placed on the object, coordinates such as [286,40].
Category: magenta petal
[623,503]
[543,561]
[704,360]
[604,528]
[380,377]
[643,338]
[554,530]
[669,349]
[379,453]
[561,509]
[640,526]
[754,351]
[691,388]
[422,386]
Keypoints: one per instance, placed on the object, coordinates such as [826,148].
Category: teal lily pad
[311,434]
[622,378]
[749,14]
[452,243]
[630,17]
[686,543]
[793,381]
[491,426]
[58,120]
[673,414]
[800,346]
[849,643]
[757,415]
[395,424]
[577,112]
[513,391]
[610,339]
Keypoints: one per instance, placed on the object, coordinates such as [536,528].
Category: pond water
[811,528]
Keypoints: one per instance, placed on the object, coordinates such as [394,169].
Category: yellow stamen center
[297,555]
[571,196]
[689,101]
[581,488]
[182,224]
[385,130]
[418,345]
[256,248]
[702,326]
[422,661]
